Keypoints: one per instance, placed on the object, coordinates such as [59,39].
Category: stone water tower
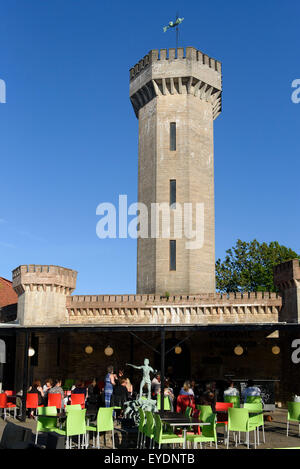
[176,96]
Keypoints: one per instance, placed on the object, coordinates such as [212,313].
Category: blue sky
[69,134]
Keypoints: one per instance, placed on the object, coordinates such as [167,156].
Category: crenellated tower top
[176,71]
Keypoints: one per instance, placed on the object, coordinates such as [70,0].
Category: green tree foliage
[249,266]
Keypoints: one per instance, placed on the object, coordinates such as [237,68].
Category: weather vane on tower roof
[174,24]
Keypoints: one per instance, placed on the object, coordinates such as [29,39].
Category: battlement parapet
[231,308]
[172,54]
[176,72]
[42,275]
[218,298]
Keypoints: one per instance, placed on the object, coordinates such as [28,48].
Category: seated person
[186,389]
[231,390]
[47,386]
[36,388]
[57,389]
[251,390]
[80,388]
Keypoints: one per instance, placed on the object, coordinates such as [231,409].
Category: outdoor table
[179,420]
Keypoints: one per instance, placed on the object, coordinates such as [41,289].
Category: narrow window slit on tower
[173,136]
[172,254]
[173,193]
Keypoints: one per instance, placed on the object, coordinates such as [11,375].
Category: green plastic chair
[105,423]
[141,428]
[75,426]
[167,403]
[239,421]
[235,400]
[205,412]
[293,415]
[208,435]
[149,428]
[164,438]
[258,419]
[45,423]
[71,407]
[253,400]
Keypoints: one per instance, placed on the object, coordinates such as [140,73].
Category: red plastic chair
[78,399]
[223,406]
[54,399]
[5,405]
[222,411]
[222,414]
[11,397]
[32,401]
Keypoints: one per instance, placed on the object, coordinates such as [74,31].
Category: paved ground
[275,433]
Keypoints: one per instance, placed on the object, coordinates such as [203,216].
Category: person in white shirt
[155,385]
[231,390]
[251,390]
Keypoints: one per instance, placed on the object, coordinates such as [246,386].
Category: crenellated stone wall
[153,309]
[45,299]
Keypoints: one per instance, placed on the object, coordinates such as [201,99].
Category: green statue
[146,376]
[173,24]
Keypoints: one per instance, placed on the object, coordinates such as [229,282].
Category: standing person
[195,388]
[120,374]
[109,385]
[93,396]
[208,397]
[155,384]
[129,388]
[215,390]
[168,391]
[93,391]
[120,393]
